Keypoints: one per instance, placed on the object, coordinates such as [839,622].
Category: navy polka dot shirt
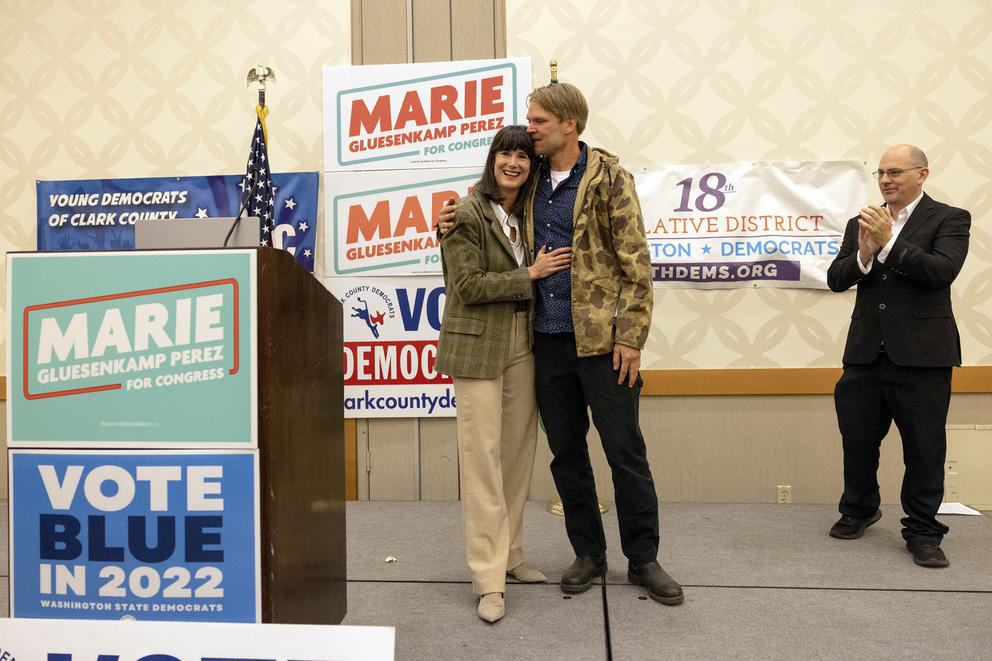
[553,219]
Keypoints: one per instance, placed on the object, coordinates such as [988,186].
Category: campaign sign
[436,114]
[162,535]
[382,223]
[62,640]
[748,224]
[99,214]
[146,348]
[390,344]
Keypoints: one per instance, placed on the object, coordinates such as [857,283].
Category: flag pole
[256,187]
[260,75]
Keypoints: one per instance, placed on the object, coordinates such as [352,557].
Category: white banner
[748,224]
[26,639]
[391,327]
[437,114]
[381,223]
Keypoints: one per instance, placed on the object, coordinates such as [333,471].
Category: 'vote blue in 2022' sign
[151,535]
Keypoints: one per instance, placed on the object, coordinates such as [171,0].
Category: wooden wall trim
[780,381]
[350,459]
[740,381]
[768,381]
[356,33]
[772,381]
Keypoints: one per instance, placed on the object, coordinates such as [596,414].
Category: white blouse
[507,221]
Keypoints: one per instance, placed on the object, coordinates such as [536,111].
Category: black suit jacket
[905,303]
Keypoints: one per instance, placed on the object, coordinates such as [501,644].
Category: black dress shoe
[579,576]
[661,587]
[927,554]
[851,527]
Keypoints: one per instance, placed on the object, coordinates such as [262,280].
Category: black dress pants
[566,386]
[868,399]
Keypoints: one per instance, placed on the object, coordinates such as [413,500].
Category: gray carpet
[761,582]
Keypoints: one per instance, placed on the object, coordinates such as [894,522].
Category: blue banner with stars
[99,214]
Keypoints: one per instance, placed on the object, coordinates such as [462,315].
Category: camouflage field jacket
[612,296]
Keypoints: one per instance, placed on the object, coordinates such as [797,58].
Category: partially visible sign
[390,343]
[99,214]
[748,224]
[156,536]
[437,114]
[64,640]
[382,223]
[146,348]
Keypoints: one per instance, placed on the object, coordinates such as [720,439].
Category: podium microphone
[234,225]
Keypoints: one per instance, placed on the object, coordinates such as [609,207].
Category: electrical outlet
[783,493]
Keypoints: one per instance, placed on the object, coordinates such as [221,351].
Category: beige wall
[128,91]
[681,82]
[702,449]
[131,89]
[737,81]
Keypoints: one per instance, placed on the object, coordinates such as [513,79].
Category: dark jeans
[868,399]
[566,386]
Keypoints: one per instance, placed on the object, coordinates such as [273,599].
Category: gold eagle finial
[260,76]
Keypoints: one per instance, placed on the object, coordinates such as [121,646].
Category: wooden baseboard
[780,381]
[350,459]
[766,381]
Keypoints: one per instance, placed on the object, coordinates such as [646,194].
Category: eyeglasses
[894,173]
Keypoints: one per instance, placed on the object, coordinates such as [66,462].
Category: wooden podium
[63,401]
[301,445]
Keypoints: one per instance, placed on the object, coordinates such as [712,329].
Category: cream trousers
[497,435]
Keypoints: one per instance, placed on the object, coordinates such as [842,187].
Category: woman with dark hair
[485,345]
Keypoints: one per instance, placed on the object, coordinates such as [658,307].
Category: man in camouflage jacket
[611,291]
[590,323]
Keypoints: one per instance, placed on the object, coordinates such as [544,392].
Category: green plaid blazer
[482,283]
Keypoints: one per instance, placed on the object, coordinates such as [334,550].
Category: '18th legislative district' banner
[425,115]
[99,214]
[748,224]
[391,327]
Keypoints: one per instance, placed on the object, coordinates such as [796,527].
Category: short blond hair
[564,101]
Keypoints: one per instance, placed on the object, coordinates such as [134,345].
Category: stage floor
[761,582]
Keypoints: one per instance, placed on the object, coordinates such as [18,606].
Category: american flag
[257,192]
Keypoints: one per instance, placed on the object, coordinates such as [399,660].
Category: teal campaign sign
[137,349]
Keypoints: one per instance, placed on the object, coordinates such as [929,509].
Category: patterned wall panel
[696,81]
[139,88]
[117,88]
